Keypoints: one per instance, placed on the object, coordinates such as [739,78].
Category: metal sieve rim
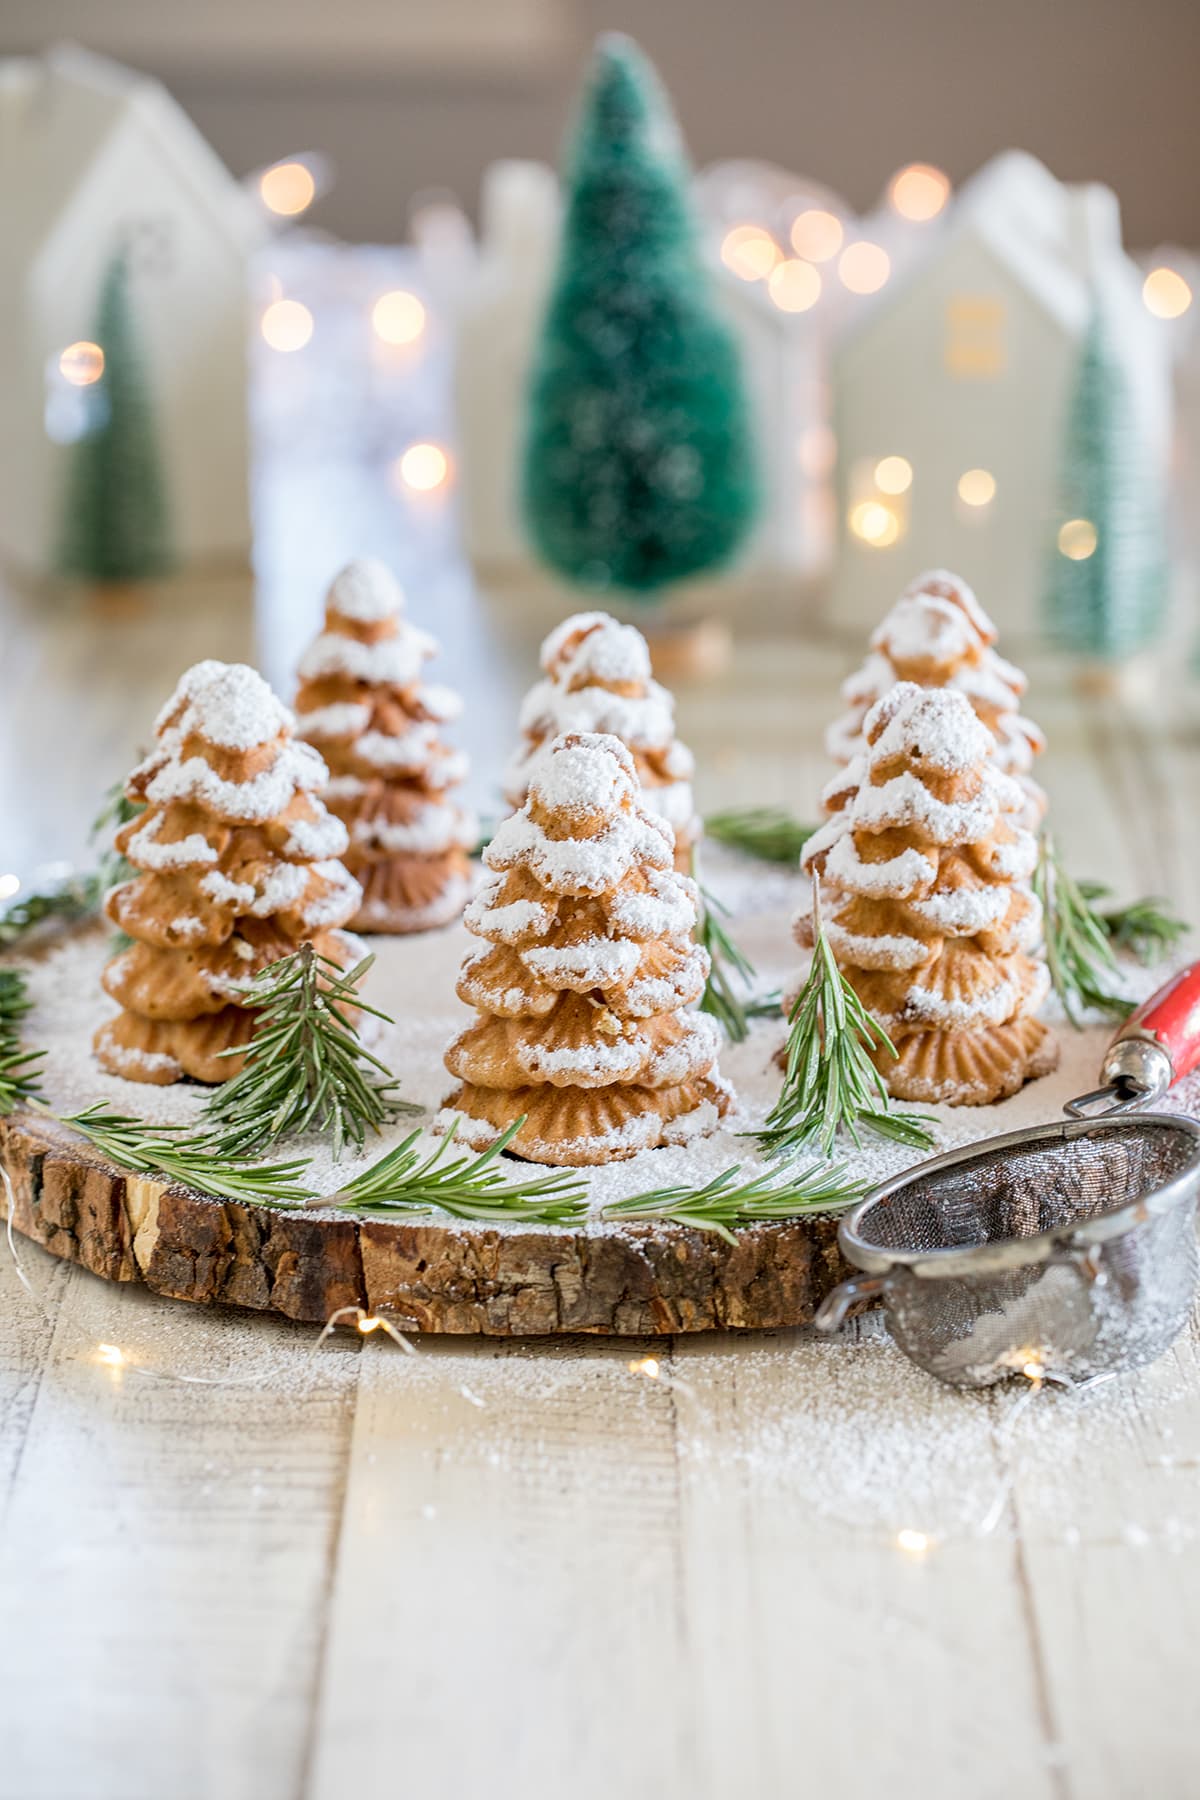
[1019,1252]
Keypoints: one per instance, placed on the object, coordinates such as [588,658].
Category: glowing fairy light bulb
[913,1543]
[874,523]
[646,1365]
[794,286]
[893,475]
[287,188]
[1077,539]
[817,235]
[423,467]
[398,317]
[81,364]
[750,252]
[977,487]
[919,192]
[110,1355]
[287,325]
[1166,294]
[864,267]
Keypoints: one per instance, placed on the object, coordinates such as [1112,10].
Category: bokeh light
[816,235]
[423,467]
[81,364]
[977,487]
[794,286]
[893,475]
[919,192]
[1166,293]
[287,325]
[874,523]
[864,267]
[287,189]
[750,252]
[398,317]
[1077,539]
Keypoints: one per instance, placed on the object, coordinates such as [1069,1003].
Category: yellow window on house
[975,337]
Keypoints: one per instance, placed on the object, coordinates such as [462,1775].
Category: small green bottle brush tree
[639,466]
[115,524]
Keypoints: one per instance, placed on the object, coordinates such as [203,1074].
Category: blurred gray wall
[842,90]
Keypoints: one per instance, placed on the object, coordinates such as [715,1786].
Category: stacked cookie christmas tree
[596,677]
[924,902]
[587,974]
[236,858]
[938,635]
[362,701]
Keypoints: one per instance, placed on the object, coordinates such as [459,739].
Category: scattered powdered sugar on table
[413,979]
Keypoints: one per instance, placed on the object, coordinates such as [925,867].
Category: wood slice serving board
[431,1273]
[426,1277]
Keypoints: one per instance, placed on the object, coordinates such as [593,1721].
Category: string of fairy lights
[912,1542]
[802,255]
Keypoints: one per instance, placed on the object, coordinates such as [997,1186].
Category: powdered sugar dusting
[935,726]
[594,647]
[365,591]
[227,704]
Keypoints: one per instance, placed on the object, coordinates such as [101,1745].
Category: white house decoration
[95,160]
[950,387]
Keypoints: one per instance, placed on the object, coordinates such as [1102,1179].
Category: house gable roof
[1054,240]
[60,111]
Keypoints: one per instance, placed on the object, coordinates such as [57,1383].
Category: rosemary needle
[725,1202]
[830,1080]
[167,1150]
[1079,951]
[305,1068]
[727,996]
[466,1186]
[19,1069]
[763,831]
[1146,927]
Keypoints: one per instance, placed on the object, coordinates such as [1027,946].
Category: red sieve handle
[1170,1019]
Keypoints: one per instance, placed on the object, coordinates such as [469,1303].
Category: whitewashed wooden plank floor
[532,1568]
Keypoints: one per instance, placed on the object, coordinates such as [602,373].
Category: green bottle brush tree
[639,465]
[115,524]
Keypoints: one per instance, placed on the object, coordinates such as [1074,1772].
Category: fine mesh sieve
[1067,1250]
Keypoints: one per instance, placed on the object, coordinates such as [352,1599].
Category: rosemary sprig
[169,1150]
[829,1078]
[1079,952]
[1146,928]
[725,1202]
[19,1069]
[763,831]
[467,1187]
[727,992]
[306,1069]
